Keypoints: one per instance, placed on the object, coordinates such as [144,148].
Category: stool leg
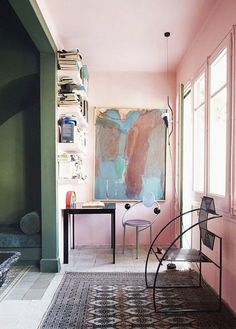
[124,239]
[137,242]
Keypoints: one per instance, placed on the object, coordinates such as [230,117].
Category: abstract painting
[130,153]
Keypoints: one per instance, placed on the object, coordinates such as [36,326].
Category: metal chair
[139,224]
[173,253]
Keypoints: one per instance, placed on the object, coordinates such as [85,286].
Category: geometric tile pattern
[121,301]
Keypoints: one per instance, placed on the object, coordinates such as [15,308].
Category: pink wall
[50,23]
[212,33]
[127,89]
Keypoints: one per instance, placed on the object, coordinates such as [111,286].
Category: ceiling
[127,35]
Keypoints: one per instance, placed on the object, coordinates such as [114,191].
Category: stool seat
[137,222]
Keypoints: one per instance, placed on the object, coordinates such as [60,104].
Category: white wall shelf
[74,74]
[72,157]
[71,148]
[71,181]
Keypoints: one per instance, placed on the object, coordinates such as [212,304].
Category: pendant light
[168,121]
[166,115]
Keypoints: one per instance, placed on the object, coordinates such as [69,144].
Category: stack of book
[68,92]
[93,204]
[69,60]
[68,99]
[64,80]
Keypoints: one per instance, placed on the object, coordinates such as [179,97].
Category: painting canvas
[130,153]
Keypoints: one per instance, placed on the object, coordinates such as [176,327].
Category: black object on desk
[109,208]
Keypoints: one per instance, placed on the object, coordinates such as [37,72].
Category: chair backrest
[148,199]
[207,207]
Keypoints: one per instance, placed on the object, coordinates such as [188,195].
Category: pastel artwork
[130,154]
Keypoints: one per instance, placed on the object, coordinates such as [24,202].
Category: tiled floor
[26,303]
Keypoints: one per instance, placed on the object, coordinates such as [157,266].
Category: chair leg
[124,239]
[137,242]
[150,235]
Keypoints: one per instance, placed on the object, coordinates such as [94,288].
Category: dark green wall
[31,18]
[20,186]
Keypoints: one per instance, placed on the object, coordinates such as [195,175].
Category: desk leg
[112,231]
[65,228]
[113,236]
[73,231]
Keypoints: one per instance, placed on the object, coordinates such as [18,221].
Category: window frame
[203,70]
[226,203]
[233,126]
[223,202]
[198,194]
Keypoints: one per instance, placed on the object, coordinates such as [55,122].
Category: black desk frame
[108,209]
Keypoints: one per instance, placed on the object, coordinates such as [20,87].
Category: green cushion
[30,223]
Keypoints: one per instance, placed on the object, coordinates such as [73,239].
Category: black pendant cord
[170,266]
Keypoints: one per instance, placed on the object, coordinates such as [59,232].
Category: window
[218,125]
[199,134]
[212,140]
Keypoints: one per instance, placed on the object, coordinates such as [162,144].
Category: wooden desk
[110,208]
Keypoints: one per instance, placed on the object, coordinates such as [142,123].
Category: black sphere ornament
[157,211]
